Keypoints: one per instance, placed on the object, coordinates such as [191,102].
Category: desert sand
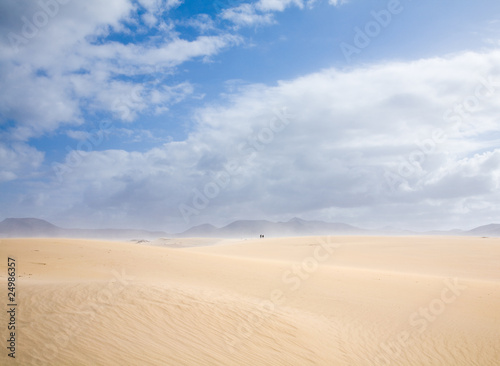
[287,301]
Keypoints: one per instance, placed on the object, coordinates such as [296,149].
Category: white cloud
[202,22]
[18,160]
[246,14]
[346,130]
[62,66]
[337,2]
[277,5]
[258,13]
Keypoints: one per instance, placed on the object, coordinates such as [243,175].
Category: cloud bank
[367,146]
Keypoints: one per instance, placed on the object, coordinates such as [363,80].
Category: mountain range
[32,227]
[254,228]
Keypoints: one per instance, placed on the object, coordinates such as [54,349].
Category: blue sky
[168,114]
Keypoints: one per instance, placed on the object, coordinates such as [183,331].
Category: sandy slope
[291,301]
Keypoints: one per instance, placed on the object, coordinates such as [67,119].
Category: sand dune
[289,301]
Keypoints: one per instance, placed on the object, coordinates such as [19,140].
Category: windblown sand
[288,301]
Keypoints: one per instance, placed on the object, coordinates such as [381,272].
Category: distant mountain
[199,231]
[293,227]
[300,227]
[486,230]
[251,228]
[30,227]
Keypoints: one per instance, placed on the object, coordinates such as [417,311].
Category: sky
[166,114]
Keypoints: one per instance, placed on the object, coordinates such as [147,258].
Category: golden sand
[288,301]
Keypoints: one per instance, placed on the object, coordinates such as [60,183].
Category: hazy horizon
[234,229]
